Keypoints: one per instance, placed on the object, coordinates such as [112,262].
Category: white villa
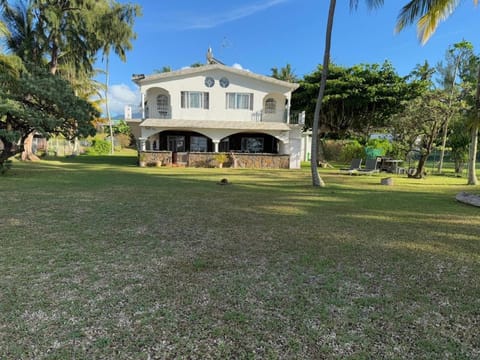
[190,114]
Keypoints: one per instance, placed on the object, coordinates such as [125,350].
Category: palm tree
[116,33]
[316,179]
[285,73]
[428,14]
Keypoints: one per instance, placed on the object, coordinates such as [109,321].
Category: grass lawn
[102,259]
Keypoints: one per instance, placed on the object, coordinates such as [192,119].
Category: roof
[141,79]
[214,124]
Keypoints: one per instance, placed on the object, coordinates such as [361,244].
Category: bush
[352,150]
[123,140]
[378,147]
[99,147]
[332,150]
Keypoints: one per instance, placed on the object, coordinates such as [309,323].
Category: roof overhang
[214,124]
[148,79]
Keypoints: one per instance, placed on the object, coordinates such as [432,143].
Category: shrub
[378,147]
[99,147]
[351,150]
[123,140]
[332,150]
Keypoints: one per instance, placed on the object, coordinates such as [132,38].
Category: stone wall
[154,158]
[203,159]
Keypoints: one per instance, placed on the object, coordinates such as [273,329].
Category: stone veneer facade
[202,159]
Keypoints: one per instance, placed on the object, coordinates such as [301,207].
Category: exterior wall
[306,145]
[217,96]
[295,148]
[236,160]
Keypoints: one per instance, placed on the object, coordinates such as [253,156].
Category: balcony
[296,118]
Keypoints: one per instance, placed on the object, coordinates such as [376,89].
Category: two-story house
[217,108]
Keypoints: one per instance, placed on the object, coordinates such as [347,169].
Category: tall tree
[116,33]
[418,125]
[428,14]
[456,56]
[37,101]
[316,179]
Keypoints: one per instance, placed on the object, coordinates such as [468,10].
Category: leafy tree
[38,102]
[357,99]
[66,35]
[458,141]
[457,56]
[428,14]
[418,125]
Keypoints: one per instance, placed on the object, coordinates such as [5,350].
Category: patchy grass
[101,259]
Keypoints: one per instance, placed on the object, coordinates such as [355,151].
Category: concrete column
[143,106]
[215,144]
[142,146]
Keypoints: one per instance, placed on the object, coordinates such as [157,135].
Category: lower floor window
[198,143]
[252,144]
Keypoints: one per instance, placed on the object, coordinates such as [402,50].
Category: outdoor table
[390,165]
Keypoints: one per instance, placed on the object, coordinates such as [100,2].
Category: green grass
[102,259]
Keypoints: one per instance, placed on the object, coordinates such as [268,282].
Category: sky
[257,35]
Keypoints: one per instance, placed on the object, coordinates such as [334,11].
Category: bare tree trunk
[107,107]
[444,144]
[316,179]
[472,157]
[27,153]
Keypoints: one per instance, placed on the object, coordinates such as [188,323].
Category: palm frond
[429,14]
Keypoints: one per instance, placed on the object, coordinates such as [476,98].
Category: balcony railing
[296,118]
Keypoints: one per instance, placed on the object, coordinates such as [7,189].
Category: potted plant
[220,158]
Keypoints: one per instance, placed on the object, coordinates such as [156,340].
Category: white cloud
[120,95]
[239,67]
[199,21]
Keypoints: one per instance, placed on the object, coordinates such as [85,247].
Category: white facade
[234,110]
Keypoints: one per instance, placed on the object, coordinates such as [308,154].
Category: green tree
[417,127]
[428,14]
[38,102]
[357,99]
[457,55]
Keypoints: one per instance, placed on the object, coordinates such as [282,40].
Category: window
[270,106]
[198,143]
[240,101]
[194,100]
[252,144]
[163,106]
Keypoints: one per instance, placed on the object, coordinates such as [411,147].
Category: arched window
[270,106]
[163,106]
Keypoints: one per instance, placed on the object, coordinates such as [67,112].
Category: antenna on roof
[210,59]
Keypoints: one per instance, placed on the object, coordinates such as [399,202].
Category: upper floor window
[194,100]
[163,106]
[270,106]
[240,101]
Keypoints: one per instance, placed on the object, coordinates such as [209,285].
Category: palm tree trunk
[316,179]
[107,107]
[472,158]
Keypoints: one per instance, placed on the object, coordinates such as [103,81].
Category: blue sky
[260,34]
